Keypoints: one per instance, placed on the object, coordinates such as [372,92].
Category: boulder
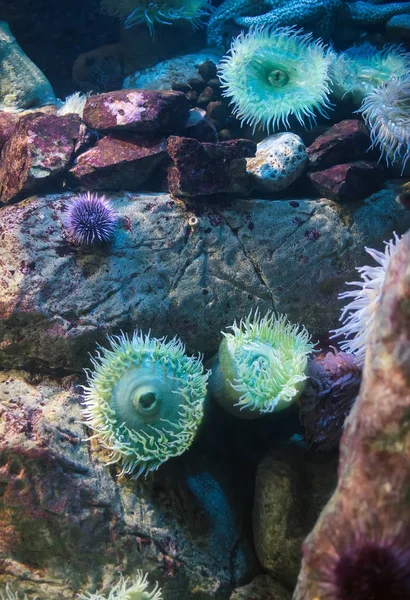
[142,111]
[344,142]
[202,169]
[262,587]
[200,127]
[349,182]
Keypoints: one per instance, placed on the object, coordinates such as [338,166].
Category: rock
[206,96]
[218,111]
[280,159]
[350,181]
[292,486]
[367,520]
[262,587]
[202,168]
[207,69]
[8,121]
[398,27]
[68,522]
[22,84]
[142,111]
[100,70]
[162,273]
[344,142]
[200,127]
[119,163]
[164,75]
[38,153]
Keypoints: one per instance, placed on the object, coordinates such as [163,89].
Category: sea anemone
[332,387]
[144,400]
[360,69]
[358,315]
[365,563]
[386,111]
[90,218]
[272,74]
[261,366]
[73,104]
[136,590]
[9,594]
[134,12]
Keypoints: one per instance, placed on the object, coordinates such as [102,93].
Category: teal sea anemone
[126,589]
[360,69]
[273,74]
[135,12]
[144,400]
[261,366]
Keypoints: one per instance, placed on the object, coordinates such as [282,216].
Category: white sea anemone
[358,315]
[126,589]
[273,74]
[73,104]
[386,111]
[9,594]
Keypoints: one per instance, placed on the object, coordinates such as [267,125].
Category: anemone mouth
[144,400]
[270,361]
[274,74]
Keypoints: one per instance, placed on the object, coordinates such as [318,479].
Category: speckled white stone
[280,159]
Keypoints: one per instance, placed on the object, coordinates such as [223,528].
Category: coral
[358,315]
[386,111]
[22,84]
[332,387]
[73,104]
[123,591]
[360,69]
[90,218]
[134,12]
[261,366]
[273,74]
[324,16]
[144,400]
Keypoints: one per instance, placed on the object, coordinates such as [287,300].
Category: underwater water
[204,300]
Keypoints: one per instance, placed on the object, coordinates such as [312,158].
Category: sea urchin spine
[90,218]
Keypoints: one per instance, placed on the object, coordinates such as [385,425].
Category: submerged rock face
[361,541]
[67,523]
[175,274]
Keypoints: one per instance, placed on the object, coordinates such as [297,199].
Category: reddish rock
[204,168]
[117,164]
[360,546]
[38,152]
[200,127]
[350,181]
[145,111]
[8,122]
[345,142]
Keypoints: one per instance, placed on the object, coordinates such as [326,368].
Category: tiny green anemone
[136,589]
[134,12]
[261,366]
[272,74]
[144,400]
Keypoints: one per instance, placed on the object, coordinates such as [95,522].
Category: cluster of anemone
[128,589]
[272,75]
[358,316]
[135,12]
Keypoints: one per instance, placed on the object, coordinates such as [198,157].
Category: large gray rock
[68,523]
[174,274]
[262,587]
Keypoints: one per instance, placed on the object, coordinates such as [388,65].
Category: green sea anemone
[272,74]
[134,12]
[261,366]
[144,400]
[137,590]
[360,69]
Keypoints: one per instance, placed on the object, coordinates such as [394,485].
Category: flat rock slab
[173,275]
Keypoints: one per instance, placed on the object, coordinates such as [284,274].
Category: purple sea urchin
[386,111]
[144,400]
[261,366]
[134,12]
[90,218]
[358,315]
[273,74]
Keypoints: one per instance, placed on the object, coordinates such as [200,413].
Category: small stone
[197,84]
[349,182]
[205,96]
[118,164]
[207,70]
[200,126]
[192,97]
[181,87]
[280,159]
[218,111]
[204,169]
[215,84]
[143,111]
[344,142]
[225,135]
